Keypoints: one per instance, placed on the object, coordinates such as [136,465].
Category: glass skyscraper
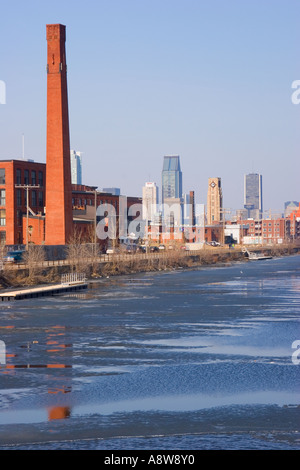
[171,178]
[76,167]
[172,191]
[253,195]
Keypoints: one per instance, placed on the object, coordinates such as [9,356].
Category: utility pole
[94,191]
[223,212]
[27,187]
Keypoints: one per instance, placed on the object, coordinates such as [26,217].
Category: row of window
[90,202]
[30,177]
[265,224]
[36,198]
[264,230]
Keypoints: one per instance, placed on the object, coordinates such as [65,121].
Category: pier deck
[42,291]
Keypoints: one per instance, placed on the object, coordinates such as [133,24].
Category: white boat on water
[256,256]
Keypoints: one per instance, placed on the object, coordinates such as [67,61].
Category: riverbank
[118,264]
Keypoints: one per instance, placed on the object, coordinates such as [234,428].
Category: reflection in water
[36,366]
[59,412]
[162,353]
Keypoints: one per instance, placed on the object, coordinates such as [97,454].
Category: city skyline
[216,94]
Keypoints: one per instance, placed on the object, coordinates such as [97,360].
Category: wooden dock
[42,291]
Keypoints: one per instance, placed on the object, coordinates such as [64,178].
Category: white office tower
[76,167]
[150,201]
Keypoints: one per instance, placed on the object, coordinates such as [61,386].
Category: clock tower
[214,201]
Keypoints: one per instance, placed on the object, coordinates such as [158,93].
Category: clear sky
[209,80]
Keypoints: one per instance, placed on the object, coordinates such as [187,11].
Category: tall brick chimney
[59,220]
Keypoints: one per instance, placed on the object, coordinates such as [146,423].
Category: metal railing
[70,278]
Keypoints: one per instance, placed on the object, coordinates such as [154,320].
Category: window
[19,197]
[41,199]
[2,175]
[41,179]
[18,174]
[2,217]
[19,217]
[33,198]
[2,197]
[26,176]
[2,237]
[33,177]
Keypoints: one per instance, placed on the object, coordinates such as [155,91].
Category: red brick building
[20,224]
[19,178]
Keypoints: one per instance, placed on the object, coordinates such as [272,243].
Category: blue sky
[209,80]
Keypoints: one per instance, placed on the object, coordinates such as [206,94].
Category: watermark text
[296,94]
[2,92]
[296,346]
[2,353]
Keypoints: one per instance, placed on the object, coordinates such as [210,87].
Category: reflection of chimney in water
[59,412]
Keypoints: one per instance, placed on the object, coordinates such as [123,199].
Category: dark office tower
[253,195]
[192,212]
[171,178]
[172,190]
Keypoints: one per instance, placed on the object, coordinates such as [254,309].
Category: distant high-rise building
[114,191]
[150,201]
[253,195]
[289,207]
[76,167]
[172,191]
[189,209]
[214,201]
[171,178]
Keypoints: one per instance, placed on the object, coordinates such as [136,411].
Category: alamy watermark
[2,353]
[162,219]
[296,346]
[2,92]
[296,94]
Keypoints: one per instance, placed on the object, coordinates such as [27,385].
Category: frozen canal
[200,359]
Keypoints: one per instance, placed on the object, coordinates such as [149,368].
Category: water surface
[194,359]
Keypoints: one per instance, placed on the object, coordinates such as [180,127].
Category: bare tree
[81,255]
[33,258]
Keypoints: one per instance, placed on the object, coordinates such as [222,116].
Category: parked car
[13,257]
[153,249]
[161,247]
[131,248]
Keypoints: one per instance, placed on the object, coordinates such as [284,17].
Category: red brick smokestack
[59,219]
